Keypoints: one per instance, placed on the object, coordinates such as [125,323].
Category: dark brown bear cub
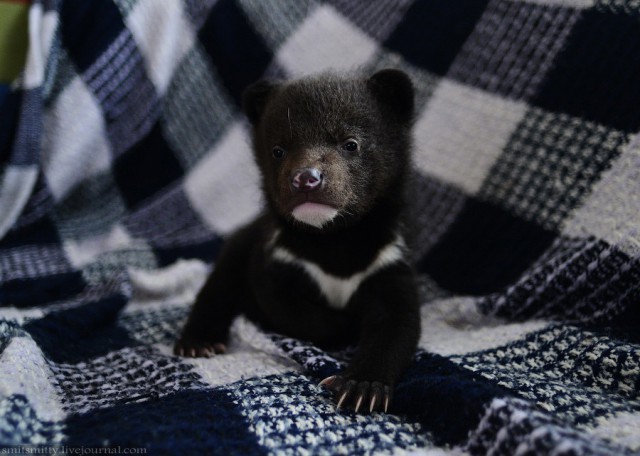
[326,261]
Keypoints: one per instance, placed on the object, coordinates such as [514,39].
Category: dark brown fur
[311,120]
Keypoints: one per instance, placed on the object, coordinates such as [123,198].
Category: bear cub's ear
[394,91]
[255,97]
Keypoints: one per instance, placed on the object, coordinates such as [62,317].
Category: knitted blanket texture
[125,162]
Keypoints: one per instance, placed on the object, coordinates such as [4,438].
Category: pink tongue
[314,214]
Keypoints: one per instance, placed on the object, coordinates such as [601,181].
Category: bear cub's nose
[306,180]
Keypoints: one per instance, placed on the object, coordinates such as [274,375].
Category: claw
[189,348]
[328,381]
[387,398]
[348,389]
[341,400]
[372,404]
[376,396]
[358,403]
[219,348]
[363,391]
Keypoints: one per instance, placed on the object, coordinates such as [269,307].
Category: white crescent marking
[337,290]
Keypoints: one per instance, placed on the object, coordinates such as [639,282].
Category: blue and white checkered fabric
[125,161]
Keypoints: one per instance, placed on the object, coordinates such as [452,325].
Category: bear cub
[326,261]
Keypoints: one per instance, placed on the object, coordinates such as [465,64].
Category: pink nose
[306,180]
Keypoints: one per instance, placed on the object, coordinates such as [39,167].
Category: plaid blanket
[125,162]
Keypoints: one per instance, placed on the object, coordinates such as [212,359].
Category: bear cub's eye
[350,145]
[278,153]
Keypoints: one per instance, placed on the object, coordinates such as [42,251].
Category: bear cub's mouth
[313,211]
[314,214]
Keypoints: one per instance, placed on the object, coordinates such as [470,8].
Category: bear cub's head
[331,147]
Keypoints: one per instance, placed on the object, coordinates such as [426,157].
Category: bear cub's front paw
[376,396]
[191,348]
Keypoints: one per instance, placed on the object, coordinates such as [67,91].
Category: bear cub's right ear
[394,91]
[255,97]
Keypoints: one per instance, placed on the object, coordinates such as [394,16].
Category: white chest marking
[338,290]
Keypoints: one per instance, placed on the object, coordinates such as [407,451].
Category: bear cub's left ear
[394,91]
[255,97]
